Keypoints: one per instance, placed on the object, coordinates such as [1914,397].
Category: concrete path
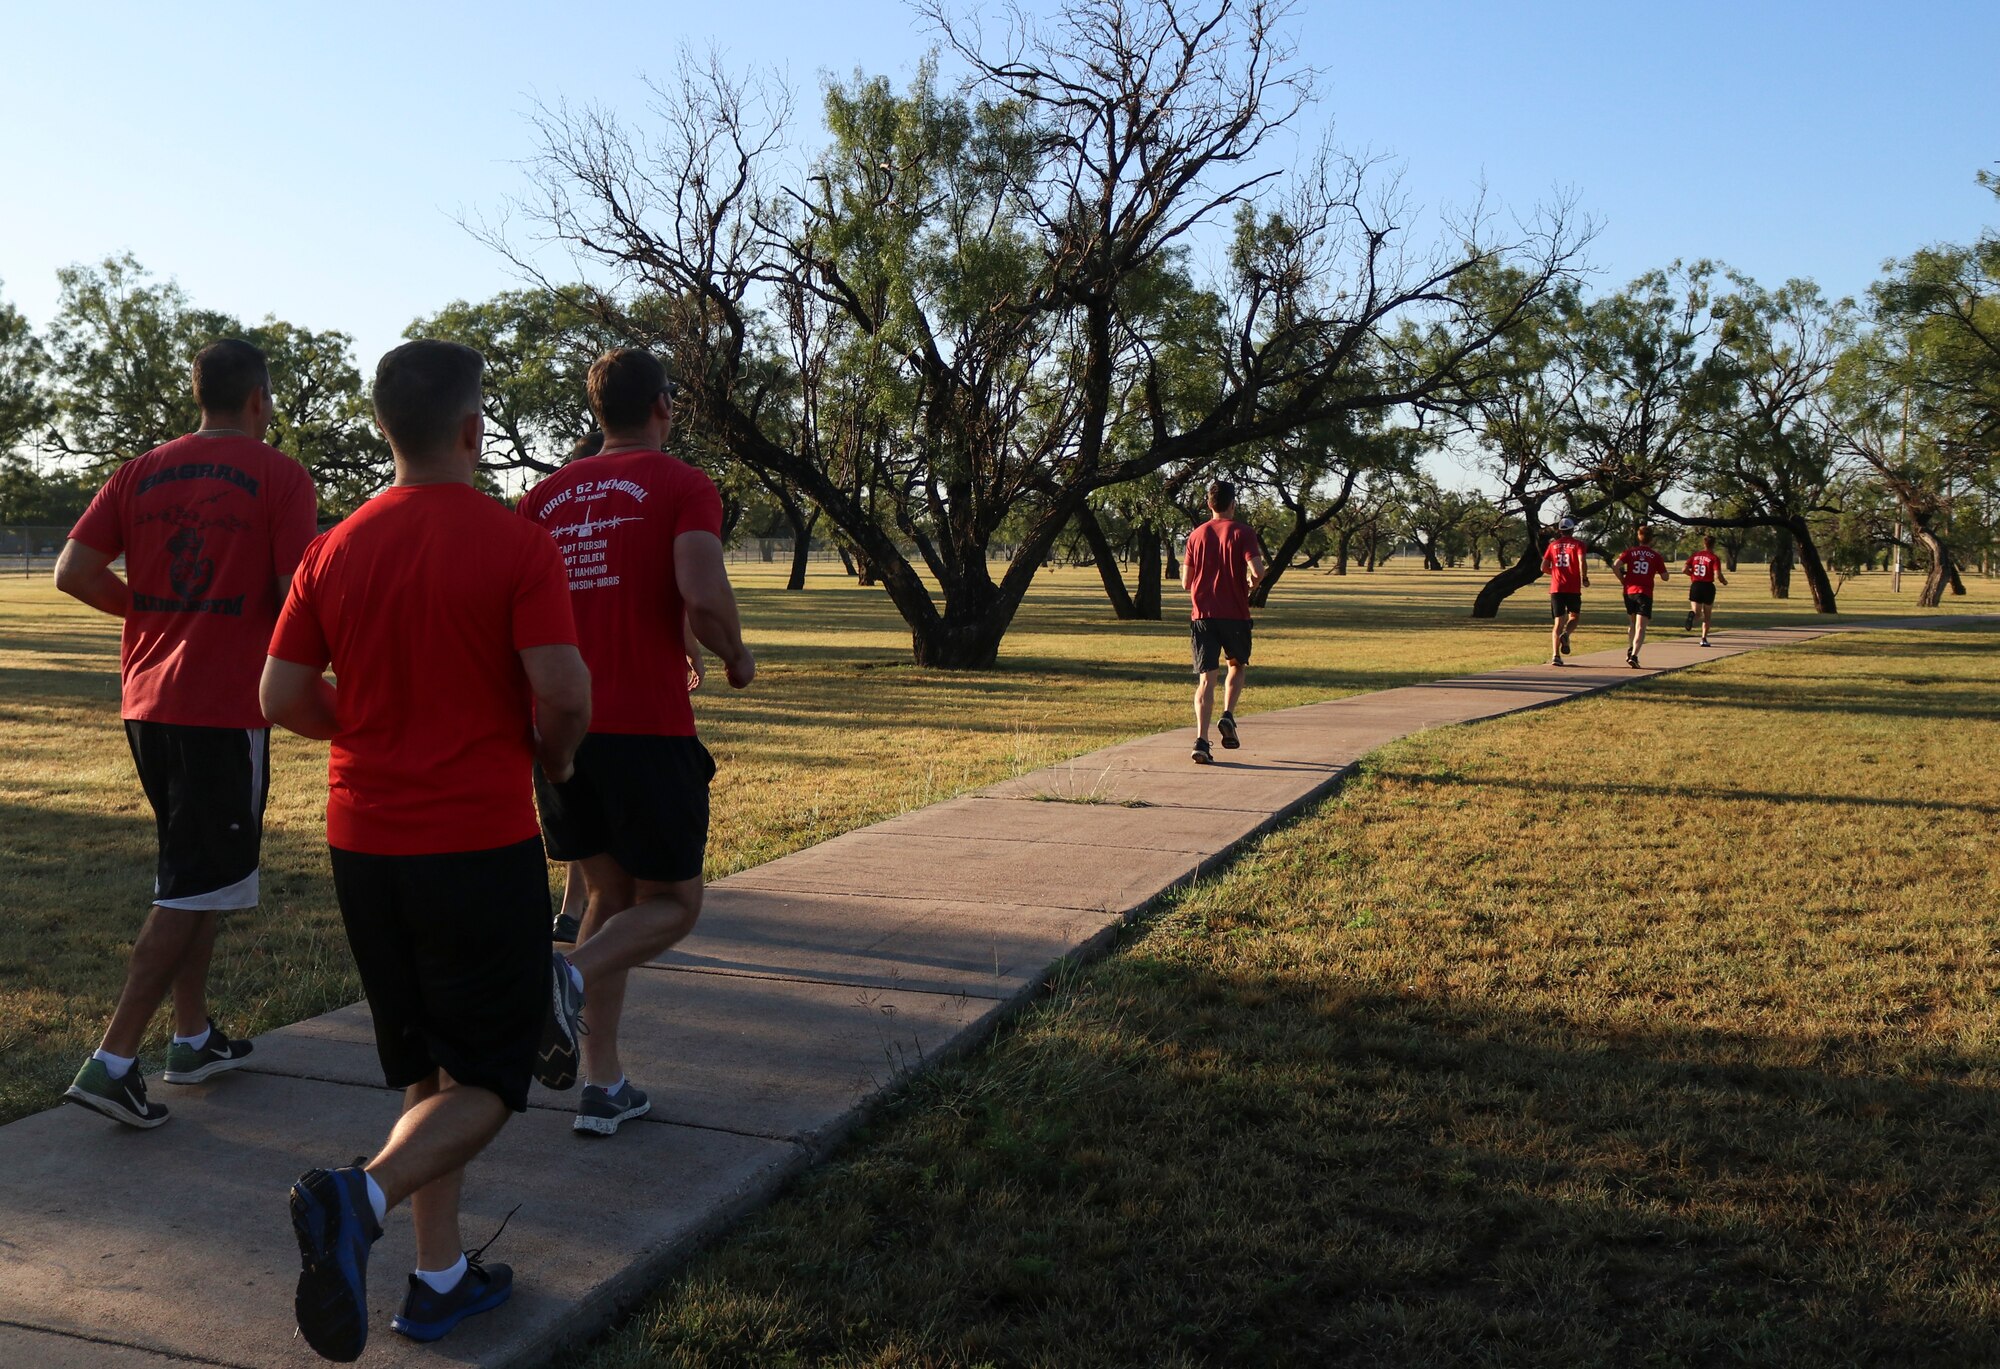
[815,985]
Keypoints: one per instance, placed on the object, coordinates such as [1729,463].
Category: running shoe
[122,1099]
[599,1113]
[1565,645]
[1704,641]
[335,1225]
[1555,660]
[1688,626]
[1226,725]
[186,1065]
[1632,659]
[429,1315]
[556,1061]
[564,929]
[1202,754]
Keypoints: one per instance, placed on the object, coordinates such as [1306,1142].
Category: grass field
[1656,1029]
[839,731]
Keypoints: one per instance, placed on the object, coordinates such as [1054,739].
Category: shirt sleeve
[102,527]
[542,614]
[700,506]
[294,522]
[300,637]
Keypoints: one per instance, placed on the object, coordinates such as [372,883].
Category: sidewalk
[814,986]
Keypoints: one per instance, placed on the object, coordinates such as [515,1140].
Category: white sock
[196,1041]
[575,975]
[115,1065]
[613,1088]
[444,1280]
[377,1199]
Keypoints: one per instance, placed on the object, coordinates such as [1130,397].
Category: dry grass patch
[1654,1029]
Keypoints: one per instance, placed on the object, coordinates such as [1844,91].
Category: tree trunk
[1942,571]
[1527,570]
[1295,537]
[1781,564]
[1817,580]
[1146,603]
[1173,559]
[1345,538]
[802,531]
[1107,563]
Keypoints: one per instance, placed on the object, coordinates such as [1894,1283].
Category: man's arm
[711,604]
[298,698]
[1256,570]
[84,573]
[692,649]
[560,682]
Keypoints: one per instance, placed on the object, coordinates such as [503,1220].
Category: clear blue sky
[310,161]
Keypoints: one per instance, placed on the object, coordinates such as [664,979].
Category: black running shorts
[454,957]
[207,786]
[1639,605]
[1216,639]
[641,800]
[1565,601]
[1701,592]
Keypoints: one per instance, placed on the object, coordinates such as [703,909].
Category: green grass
[1652,1030]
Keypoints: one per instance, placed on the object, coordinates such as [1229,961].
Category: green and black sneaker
[122,1099]
[186,1065]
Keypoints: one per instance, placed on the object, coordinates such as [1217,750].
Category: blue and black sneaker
[600,1112]
[335,1225]
[429,1315]
[556,1060]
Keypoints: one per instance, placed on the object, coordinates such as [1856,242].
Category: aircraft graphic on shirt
[592,524]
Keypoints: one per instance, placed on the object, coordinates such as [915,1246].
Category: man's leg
[190,988]
[166,942]
[1232,688]
[1707,614]
[628,922]
[1204,702]
[1555,634]
[1639,624]
[443,1126]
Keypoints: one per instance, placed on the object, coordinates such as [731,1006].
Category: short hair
[590,444]
[1221,495]
[423,391]
[1644,532]
[226,373]
[623,384]
[1708,540]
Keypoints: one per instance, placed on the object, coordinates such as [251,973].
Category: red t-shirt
[1639,567]
[421,603]
[614,518]
[1564,562]
[207,526]
[1703,567]
[1218,568]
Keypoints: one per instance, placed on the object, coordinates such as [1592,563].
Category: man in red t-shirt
[447,622]
[641,536]
[1566,561]
[1704,573]
[1221,565]
[211,526]
[1638,567]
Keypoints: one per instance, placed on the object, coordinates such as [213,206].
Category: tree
[322,415]
[25,407]
[992,253]
[1764,454]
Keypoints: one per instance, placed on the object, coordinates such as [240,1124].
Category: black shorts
[207,786]
[1214,639]
[1639,605]
[641,800]
[454,957]
[1701,592]
[1565,601]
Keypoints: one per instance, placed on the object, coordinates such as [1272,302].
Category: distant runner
[211,527]
[1222,564]
[1569,577]
[1704,573]
[640,533]
[1638,567]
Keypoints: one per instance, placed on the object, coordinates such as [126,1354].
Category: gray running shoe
[186,1065]
[599,1113]
[556,1061]
[122,1099]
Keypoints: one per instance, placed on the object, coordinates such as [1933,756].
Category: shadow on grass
[1694,794]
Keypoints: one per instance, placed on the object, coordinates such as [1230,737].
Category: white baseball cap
[1567,525]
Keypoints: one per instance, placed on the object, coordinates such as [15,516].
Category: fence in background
[30,551]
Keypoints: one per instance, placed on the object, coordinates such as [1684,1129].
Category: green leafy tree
[25,404]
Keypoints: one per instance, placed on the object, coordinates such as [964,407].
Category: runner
[1220,567]
[211,526]
[641,535]
[1704,573]
[447,622]
[1566,561]
[1637,568]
